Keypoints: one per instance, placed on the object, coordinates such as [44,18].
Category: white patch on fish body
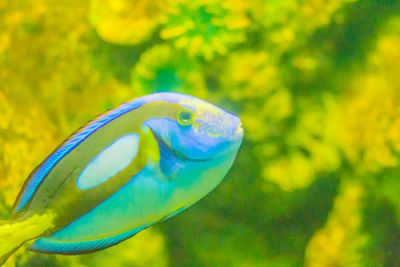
[109,162]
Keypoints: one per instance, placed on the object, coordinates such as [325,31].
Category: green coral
[206,27]
[161,68]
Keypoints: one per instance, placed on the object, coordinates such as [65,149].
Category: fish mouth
[239,130]
[167,150]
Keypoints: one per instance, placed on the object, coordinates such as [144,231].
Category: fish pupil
[185,117]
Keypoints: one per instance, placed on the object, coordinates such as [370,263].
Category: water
[317,88]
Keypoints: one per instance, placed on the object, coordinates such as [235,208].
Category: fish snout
[239,130]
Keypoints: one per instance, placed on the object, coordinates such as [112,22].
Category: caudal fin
[5,257]
[14,234]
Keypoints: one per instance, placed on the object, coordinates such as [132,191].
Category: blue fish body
[139,164]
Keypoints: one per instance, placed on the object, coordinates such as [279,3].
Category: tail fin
[14,234]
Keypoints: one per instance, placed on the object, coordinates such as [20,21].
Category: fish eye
[185,117]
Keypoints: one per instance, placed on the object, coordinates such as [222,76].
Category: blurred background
[316,83]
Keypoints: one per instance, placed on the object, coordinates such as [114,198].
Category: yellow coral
[313,148]
[250,75]
[126,22]
[370,133]
[340,241]
[290,172]
[17,159]
[317,13]
[289,23]
[255,79]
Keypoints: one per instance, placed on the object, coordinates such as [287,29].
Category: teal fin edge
[50,246]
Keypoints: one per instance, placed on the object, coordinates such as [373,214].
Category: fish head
[196,130]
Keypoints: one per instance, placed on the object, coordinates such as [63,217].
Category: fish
[128,169]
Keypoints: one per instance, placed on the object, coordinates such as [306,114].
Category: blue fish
[138,164]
